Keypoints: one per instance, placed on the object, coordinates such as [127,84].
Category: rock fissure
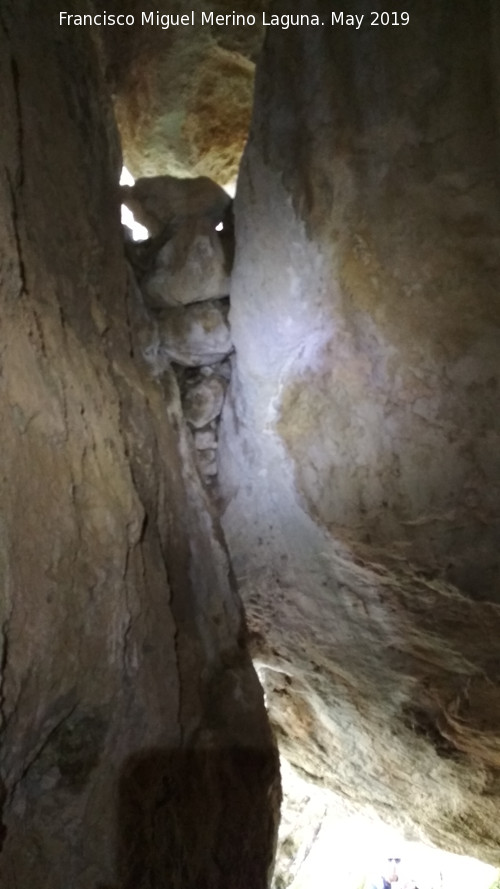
[4,659]
[15,782]
[20,129]
[182,273]
[23,290]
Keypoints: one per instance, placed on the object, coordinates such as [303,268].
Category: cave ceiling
[183,96]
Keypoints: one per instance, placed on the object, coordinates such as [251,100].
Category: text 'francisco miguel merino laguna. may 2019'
[233,19]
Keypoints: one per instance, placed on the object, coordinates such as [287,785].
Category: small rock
[207,462]
[195,335]
[203,402]
[223,369]
[205,439]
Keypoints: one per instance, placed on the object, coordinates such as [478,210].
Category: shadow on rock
[198,819]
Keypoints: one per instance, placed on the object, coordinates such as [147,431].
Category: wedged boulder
[205,439]
[166,202]
[207,463]
[195,335]
[190,267]
[183,96]
[203,402]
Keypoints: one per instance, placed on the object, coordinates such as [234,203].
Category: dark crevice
[23,289]
[20,132]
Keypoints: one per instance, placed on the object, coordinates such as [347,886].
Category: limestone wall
[134,745]
[361,459]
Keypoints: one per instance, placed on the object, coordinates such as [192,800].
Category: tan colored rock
[183,96]
[128,704]
[359,448]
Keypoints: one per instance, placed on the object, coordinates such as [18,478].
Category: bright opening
[325,845]
[139,232]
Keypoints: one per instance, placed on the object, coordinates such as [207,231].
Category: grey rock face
[190,267]
[205,439]
[207,462]
[359,447]
[195,335]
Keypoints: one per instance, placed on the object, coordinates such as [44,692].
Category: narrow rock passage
[183,275]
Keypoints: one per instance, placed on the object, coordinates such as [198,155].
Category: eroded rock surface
[183,95]
[203,401]
[190,267]
[195,335]
[360,447]
[134,746]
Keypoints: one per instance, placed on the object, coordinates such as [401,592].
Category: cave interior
[250,444]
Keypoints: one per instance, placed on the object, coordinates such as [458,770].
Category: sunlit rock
[183,95]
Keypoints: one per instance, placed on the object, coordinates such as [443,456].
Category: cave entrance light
[139,232]
[325,845]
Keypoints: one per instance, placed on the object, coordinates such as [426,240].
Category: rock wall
[134,746]
[360,456]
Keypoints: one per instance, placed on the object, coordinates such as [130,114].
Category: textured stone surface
[207,462]
[204,439]
[360,446]
[203,401]
[128,703]
[183,96]
[195,335]
[191,267]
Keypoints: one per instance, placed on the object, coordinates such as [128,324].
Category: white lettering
[99,19]
[288,21]
[350,20]
[230,18]
[166,20]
